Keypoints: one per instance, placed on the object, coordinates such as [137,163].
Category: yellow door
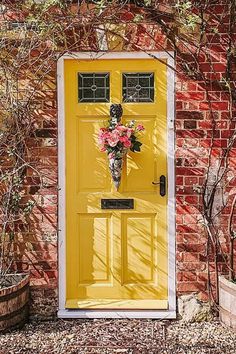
[115,258]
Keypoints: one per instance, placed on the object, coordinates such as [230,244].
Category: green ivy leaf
[136,146]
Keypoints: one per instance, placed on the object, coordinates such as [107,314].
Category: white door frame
[160,314]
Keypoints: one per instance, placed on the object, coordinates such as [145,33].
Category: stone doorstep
[192,310]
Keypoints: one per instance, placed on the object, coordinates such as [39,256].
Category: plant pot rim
[22,282]
[224,281]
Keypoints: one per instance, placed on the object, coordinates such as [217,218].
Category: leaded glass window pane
[138,87]
[94,87]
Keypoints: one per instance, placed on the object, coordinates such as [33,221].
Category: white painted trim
[119,55]
[171,221]
[116,314]
[171,312]
[61,185]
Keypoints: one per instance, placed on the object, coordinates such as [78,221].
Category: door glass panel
[94,87]
[138,87]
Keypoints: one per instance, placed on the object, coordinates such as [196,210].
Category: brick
[191,257]
[220,106]
[178,124]
[190,218]
[223,125]
[206,125]
[190,124]
[191,286]
[206,143]
[215,133]
[186,276]
[190,180]
[179,180]
[179,219]
[195,96]
[191,238]
[191,105]
[187,229]
[45,133]
[191,266]
[190,134]
[189,115]
[179,162]
[185,209]
[191,142]
[191,247]
[192,199]
[222,143]
[179,105]
[185,171]
[202,276]
[226,133]
[179,142]
[184,190]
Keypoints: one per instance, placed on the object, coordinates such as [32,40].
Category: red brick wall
[37,244]
[194,138]
[37,249]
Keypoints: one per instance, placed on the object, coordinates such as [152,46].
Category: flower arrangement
[116,140]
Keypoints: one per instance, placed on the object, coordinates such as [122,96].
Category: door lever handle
[162,184]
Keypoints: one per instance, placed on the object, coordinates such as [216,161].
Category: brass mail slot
[117,203]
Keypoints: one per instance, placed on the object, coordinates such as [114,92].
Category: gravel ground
[119,337]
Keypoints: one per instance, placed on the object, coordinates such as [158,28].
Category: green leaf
[136,146]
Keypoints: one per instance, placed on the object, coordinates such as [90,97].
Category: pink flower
[140,127]
[113,138]
[122,139]
[115,132]
[121,128]
[127,143]
[103,136]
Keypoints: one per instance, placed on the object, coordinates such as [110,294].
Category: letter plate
[117,203]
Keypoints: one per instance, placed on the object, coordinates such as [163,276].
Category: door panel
[114,258]
[94,249]
[138,242]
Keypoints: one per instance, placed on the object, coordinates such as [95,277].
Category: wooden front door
[115,259]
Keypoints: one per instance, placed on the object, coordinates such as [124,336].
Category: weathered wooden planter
[227,302]
[14,301]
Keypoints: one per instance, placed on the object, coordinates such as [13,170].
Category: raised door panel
[95,252]
[139,237]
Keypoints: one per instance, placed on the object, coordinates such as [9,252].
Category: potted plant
[14,300]
[14,286]
[227,285]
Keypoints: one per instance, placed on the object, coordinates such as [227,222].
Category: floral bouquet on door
[116,139]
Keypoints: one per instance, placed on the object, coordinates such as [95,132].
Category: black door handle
[162,185]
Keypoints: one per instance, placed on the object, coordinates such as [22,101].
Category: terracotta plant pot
[227,302]
[14,302]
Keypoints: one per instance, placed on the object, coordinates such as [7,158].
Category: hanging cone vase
[115,166]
